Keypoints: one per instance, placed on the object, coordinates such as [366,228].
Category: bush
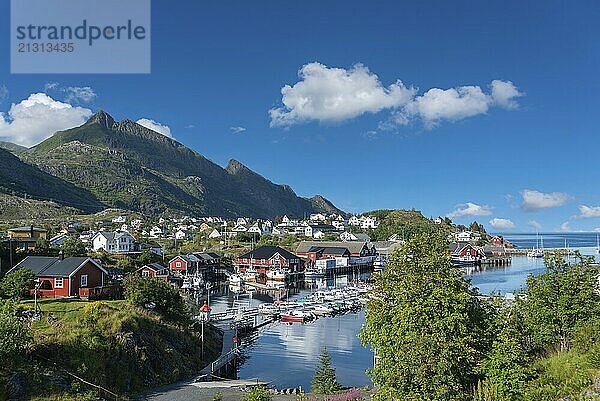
[257,394]
[17,285]
[142,291]
[15,337]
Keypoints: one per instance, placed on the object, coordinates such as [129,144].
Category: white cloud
[469,209]
[536,200]
[504,94]
[448,104]
[328,94]
[501,224]
[534,224]
[588,212]
[3,93]
[155,126]
[39,117]
[566,226]
[79,94]
[73,94]
[237,130]
[332,94]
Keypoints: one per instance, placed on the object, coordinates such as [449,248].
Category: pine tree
[324,381]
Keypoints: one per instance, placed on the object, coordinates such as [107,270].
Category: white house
[368,222]
[255,229]
[183,234]
[119,219]
[214,234]
[156,232]
[463,236]
[354,221]
[340,224]
[317,217]
[318,234]
[113,242]
[308,231]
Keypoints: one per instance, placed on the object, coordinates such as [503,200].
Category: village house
[267,258]
[358,251]
[156,232]
[25,238]
[154,270]
[317,217]
[194,263]
[463,252]
[153,247]
[113,242]
[497,240]
[183,235]
[348,236]
[64,277]
[214,234]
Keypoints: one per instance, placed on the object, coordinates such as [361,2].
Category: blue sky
[522,149]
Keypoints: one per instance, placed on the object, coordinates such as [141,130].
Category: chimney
[31,231]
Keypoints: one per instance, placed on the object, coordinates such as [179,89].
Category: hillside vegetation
[123,348]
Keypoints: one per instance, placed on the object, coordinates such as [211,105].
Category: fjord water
[511,278]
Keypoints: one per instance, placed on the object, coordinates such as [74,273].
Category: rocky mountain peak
[102,118]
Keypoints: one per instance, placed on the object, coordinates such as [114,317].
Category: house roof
[26,229]
[330,250]
[267,252]
[48,266]
[353,246]
[153,266]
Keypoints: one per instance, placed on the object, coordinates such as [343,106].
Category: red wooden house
[154,270]
[268,258]
[63,277]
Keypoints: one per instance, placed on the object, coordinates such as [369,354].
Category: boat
[537,252]
[378,264]
[296,316]
[597,244]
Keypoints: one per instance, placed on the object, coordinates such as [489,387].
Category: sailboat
[597,244]
[537,252]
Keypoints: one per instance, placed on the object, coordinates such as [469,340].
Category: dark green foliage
[142,291]
[429,330]
[17,284]
[404,223]
[73,246]
[324,380]
[559,299]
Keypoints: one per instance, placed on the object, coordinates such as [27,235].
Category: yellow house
[25,238]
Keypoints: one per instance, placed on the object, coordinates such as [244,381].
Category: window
[84,280]
[145,273]
[178,264]
[58,282]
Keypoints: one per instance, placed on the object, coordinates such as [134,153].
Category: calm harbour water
[512,278]
[287,354]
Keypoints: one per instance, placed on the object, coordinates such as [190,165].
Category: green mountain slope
[25,180]
[131,167]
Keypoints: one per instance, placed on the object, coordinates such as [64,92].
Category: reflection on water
[505,279]
[287,354]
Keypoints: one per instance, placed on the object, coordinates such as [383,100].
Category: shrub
[257,394]
[141,291]
[16,285]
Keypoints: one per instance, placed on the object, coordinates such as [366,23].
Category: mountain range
[104,163]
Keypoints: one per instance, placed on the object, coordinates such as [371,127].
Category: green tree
[17,284]
[141,291]
[506,366]
[559,299]
[426,324]
[15,337]
[324,380]
[73,246]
